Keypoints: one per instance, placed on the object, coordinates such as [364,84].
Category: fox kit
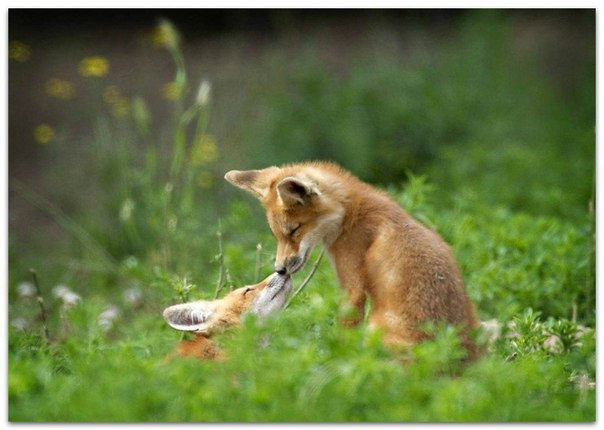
[378,250]
[206,318]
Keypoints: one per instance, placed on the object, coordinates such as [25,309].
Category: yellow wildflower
[60,89]
[165,35]
[120,105]
[94,67]
[171,91]
[120,108]
[111,94]
[43,134]
[204,151]
[19,51]
[205,179]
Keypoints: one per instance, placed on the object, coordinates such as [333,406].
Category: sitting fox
[207,318]
[378,250]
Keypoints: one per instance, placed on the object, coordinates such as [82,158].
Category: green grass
[302,366]
[503,168]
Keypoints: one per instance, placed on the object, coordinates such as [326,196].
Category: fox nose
[281,269]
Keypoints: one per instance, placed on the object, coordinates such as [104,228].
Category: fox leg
[399,336]
[353,309]
[397,331]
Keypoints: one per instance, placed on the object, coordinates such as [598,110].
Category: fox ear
[256,182]
[294,190]
[194,316]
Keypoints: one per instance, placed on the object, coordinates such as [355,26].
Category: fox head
[300,214]
[207,317]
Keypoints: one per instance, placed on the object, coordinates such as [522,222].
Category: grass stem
[40,300]
[307,279]
[257,268]
[81,234]
[220,258]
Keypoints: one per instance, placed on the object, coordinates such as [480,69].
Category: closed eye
[247,290]
[292,231]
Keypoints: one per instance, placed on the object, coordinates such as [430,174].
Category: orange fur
[228,313]
[378,250]
[202,348]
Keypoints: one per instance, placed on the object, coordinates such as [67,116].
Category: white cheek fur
[328,228]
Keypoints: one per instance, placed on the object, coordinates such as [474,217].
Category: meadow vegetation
[469,137]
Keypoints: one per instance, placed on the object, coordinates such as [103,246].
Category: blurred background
[123,122]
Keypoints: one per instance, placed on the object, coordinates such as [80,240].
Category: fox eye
[293,230]
[247,290]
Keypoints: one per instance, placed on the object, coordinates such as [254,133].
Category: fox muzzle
[292,264]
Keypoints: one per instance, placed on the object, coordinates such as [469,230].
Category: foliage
[475,109]
[494,174]
[513,260]
[298,367]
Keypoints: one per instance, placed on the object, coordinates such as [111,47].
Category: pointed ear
[294,190]
[256,182]
[194,316]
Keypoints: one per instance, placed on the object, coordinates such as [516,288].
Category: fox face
[207,317]
[295,234]
[299,214]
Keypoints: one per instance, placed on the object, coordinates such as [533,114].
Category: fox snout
[280,269]
[291,265]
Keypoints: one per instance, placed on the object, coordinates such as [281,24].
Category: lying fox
[207,318]
[378,250]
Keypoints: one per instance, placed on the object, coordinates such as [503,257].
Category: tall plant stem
[40,300]
[308,278]
[220,258]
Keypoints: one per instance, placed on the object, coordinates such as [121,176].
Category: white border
[429,4]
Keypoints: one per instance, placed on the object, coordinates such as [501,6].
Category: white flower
[126,209]
[68,297]
[512,332]
[71,299]
[133,296]
[583,382]
[203,93]
[491,329]
[26,289]
[19,323]
[553,345]
[108,317]
[131,262]
[60,290]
